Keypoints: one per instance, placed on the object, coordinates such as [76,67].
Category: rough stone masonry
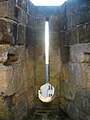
[22,57]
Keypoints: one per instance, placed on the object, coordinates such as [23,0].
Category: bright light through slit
[48,2]
[46,42]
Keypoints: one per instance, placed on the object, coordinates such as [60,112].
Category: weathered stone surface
[80,53]
[79,98]
[83,115]
[10,1]
[30,38]
[64,71]
[21,107]
[64,47]
[31,9]
[3,110]
[17,75]
[22,4]
[40,48]
[46,11]
[62,88]
[20,15]
[3,53]
[86,75]
[6,75]
[21,34]
[82,100]
[76,74]
[40,23]
[54,41]
[7,9]
[63,24]
[72,36]
[74,6]
[54,24]
[62,12]
[8,31]
[83,33]
[86,101]
[30,21]
[70,91]
[79,18]
[72,111]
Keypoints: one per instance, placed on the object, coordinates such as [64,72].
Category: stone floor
[49,115]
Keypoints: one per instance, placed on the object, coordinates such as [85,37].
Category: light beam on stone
[47,42]
[46,92]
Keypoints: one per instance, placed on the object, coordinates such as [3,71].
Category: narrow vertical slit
[46,91]
[47,48]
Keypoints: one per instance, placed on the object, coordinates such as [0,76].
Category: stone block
[76,74]
[4,114]
[63,103]
[82,115]
[54,40]
[62,87]
[63,24]
[77,53]
[40,23]
[20,15]
[8,31]
[41,11]
[72,111]
[54,24]
[79,98]
[82,100]
[21,34]
[83,33]
[80,17]
[86,75]
[6,77]
[70,91]
[40,44]
[17,80]
[74,6]
[22,4]
[64,48]
[7,9]
[40,35]
[21,107]
[10,1]
[30,37]
[86,101]
[3,53]
[72,36]
[30,21]
[80,53]
[79,74]
[83,16]
[64,71]
[13,54]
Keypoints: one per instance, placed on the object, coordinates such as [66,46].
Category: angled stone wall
[17,66]
[75,48]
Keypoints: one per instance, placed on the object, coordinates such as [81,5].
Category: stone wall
[22,57]
[17,61]
[74,16]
